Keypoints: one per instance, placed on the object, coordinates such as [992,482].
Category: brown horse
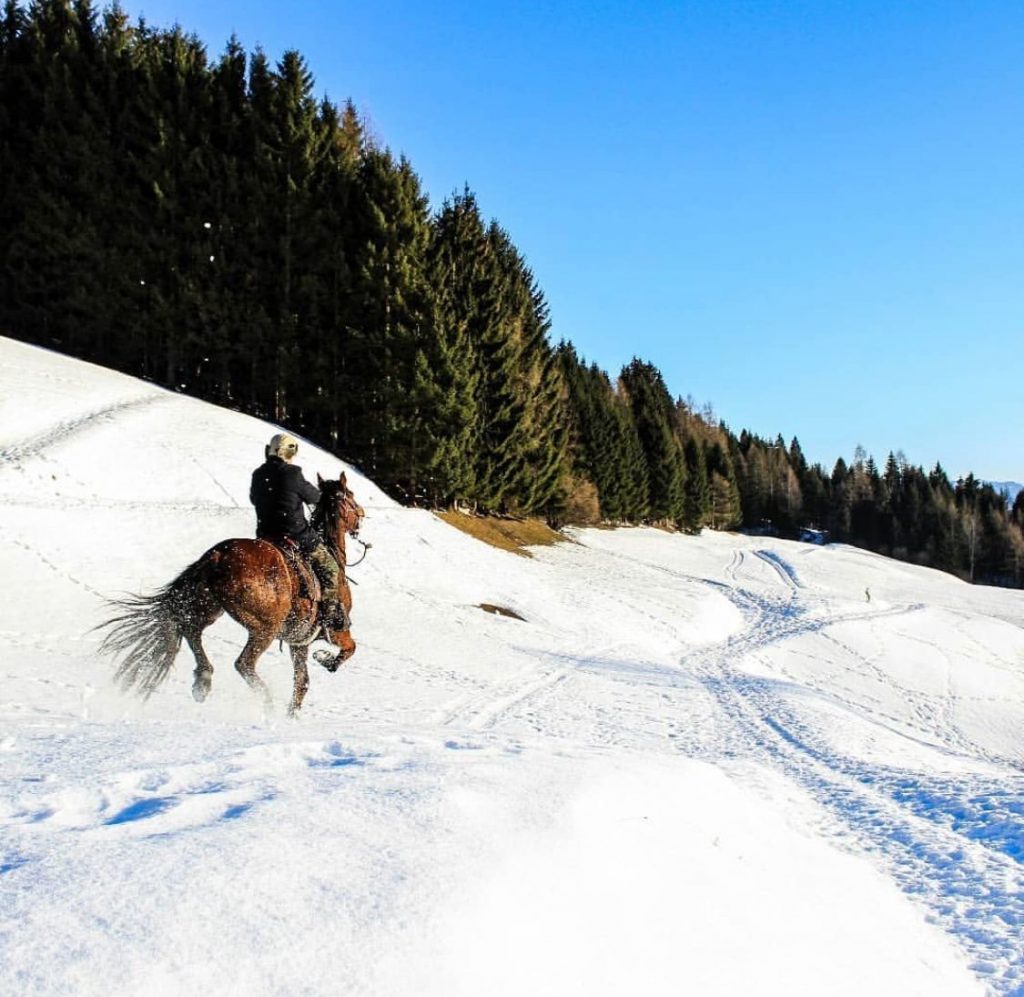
[254,583]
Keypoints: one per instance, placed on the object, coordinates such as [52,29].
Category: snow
[700,765]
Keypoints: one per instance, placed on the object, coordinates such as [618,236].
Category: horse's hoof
[328,660]
[200,690]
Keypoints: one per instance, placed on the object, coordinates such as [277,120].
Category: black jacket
[278,490]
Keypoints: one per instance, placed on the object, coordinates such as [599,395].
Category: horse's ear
[319,481]
[344,483]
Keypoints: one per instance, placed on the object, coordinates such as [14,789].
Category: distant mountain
[1013,487]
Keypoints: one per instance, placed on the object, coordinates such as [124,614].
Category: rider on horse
[278,492]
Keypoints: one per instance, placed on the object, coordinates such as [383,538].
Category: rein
[365,547]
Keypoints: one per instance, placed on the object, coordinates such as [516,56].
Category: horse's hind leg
[203,674]
[202,677]
[299,655]
[257,643]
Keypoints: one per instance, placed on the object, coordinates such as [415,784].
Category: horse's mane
[325,516]
[324,511]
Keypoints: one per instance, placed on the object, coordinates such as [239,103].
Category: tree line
[213,226]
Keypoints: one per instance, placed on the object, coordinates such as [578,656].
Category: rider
[278,491]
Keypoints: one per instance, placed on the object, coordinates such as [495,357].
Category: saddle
[306,629]
[309,584]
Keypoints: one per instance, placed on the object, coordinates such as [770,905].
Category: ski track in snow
[55,568]
[784,568]
[485,710]
[35,446]
[955,844]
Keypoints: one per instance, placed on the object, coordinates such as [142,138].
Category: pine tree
[813,484]
[389,328]
[55,161]
[228,293]
[696,490]
[631,488]
[502,302]
[604,445]
[526,456]
[652,408]
[455,275]
[726,512]
[841,504]
[328,276]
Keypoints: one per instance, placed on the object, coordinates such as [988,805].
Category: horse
[256,584]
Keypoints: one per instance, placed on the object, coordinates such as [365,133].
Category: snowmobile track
[955,844]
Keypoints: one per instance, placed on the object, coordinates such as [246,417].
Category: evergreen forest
[211,225]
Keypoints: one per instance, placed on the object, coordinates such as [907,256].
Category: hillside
[715,765]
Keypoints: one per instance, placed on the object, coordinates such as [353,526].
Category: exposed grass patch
[489,607]
[507,534]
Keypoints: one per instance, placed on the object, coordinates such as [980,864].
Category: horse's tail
[146,631]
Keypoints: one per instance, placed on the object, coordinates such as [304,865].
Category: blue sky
[810,214]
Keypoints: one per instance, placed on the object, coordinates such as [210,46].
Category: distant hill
[1012,487]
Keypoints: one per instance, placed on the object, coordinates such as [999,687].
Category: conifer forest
[210,224]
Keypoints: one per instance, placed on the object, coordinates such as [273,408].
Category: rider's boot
[334,615]
[334,621]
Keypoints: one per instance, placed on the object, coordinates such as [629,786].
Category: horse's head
[338,512]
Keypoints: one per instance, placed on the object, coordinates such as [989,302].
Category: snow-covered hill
[711,765]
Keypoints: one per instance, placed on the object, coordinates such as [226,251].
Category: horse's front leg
[342,639]
[346,647]
[299,656]
[258,642]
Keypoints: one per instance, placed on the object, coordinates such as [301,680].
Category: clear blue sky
[810,214]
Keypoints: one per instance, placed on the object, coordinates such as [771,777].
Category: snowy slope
[704,765]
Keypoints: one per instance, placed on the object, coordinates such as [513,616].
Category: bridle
[339,507]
